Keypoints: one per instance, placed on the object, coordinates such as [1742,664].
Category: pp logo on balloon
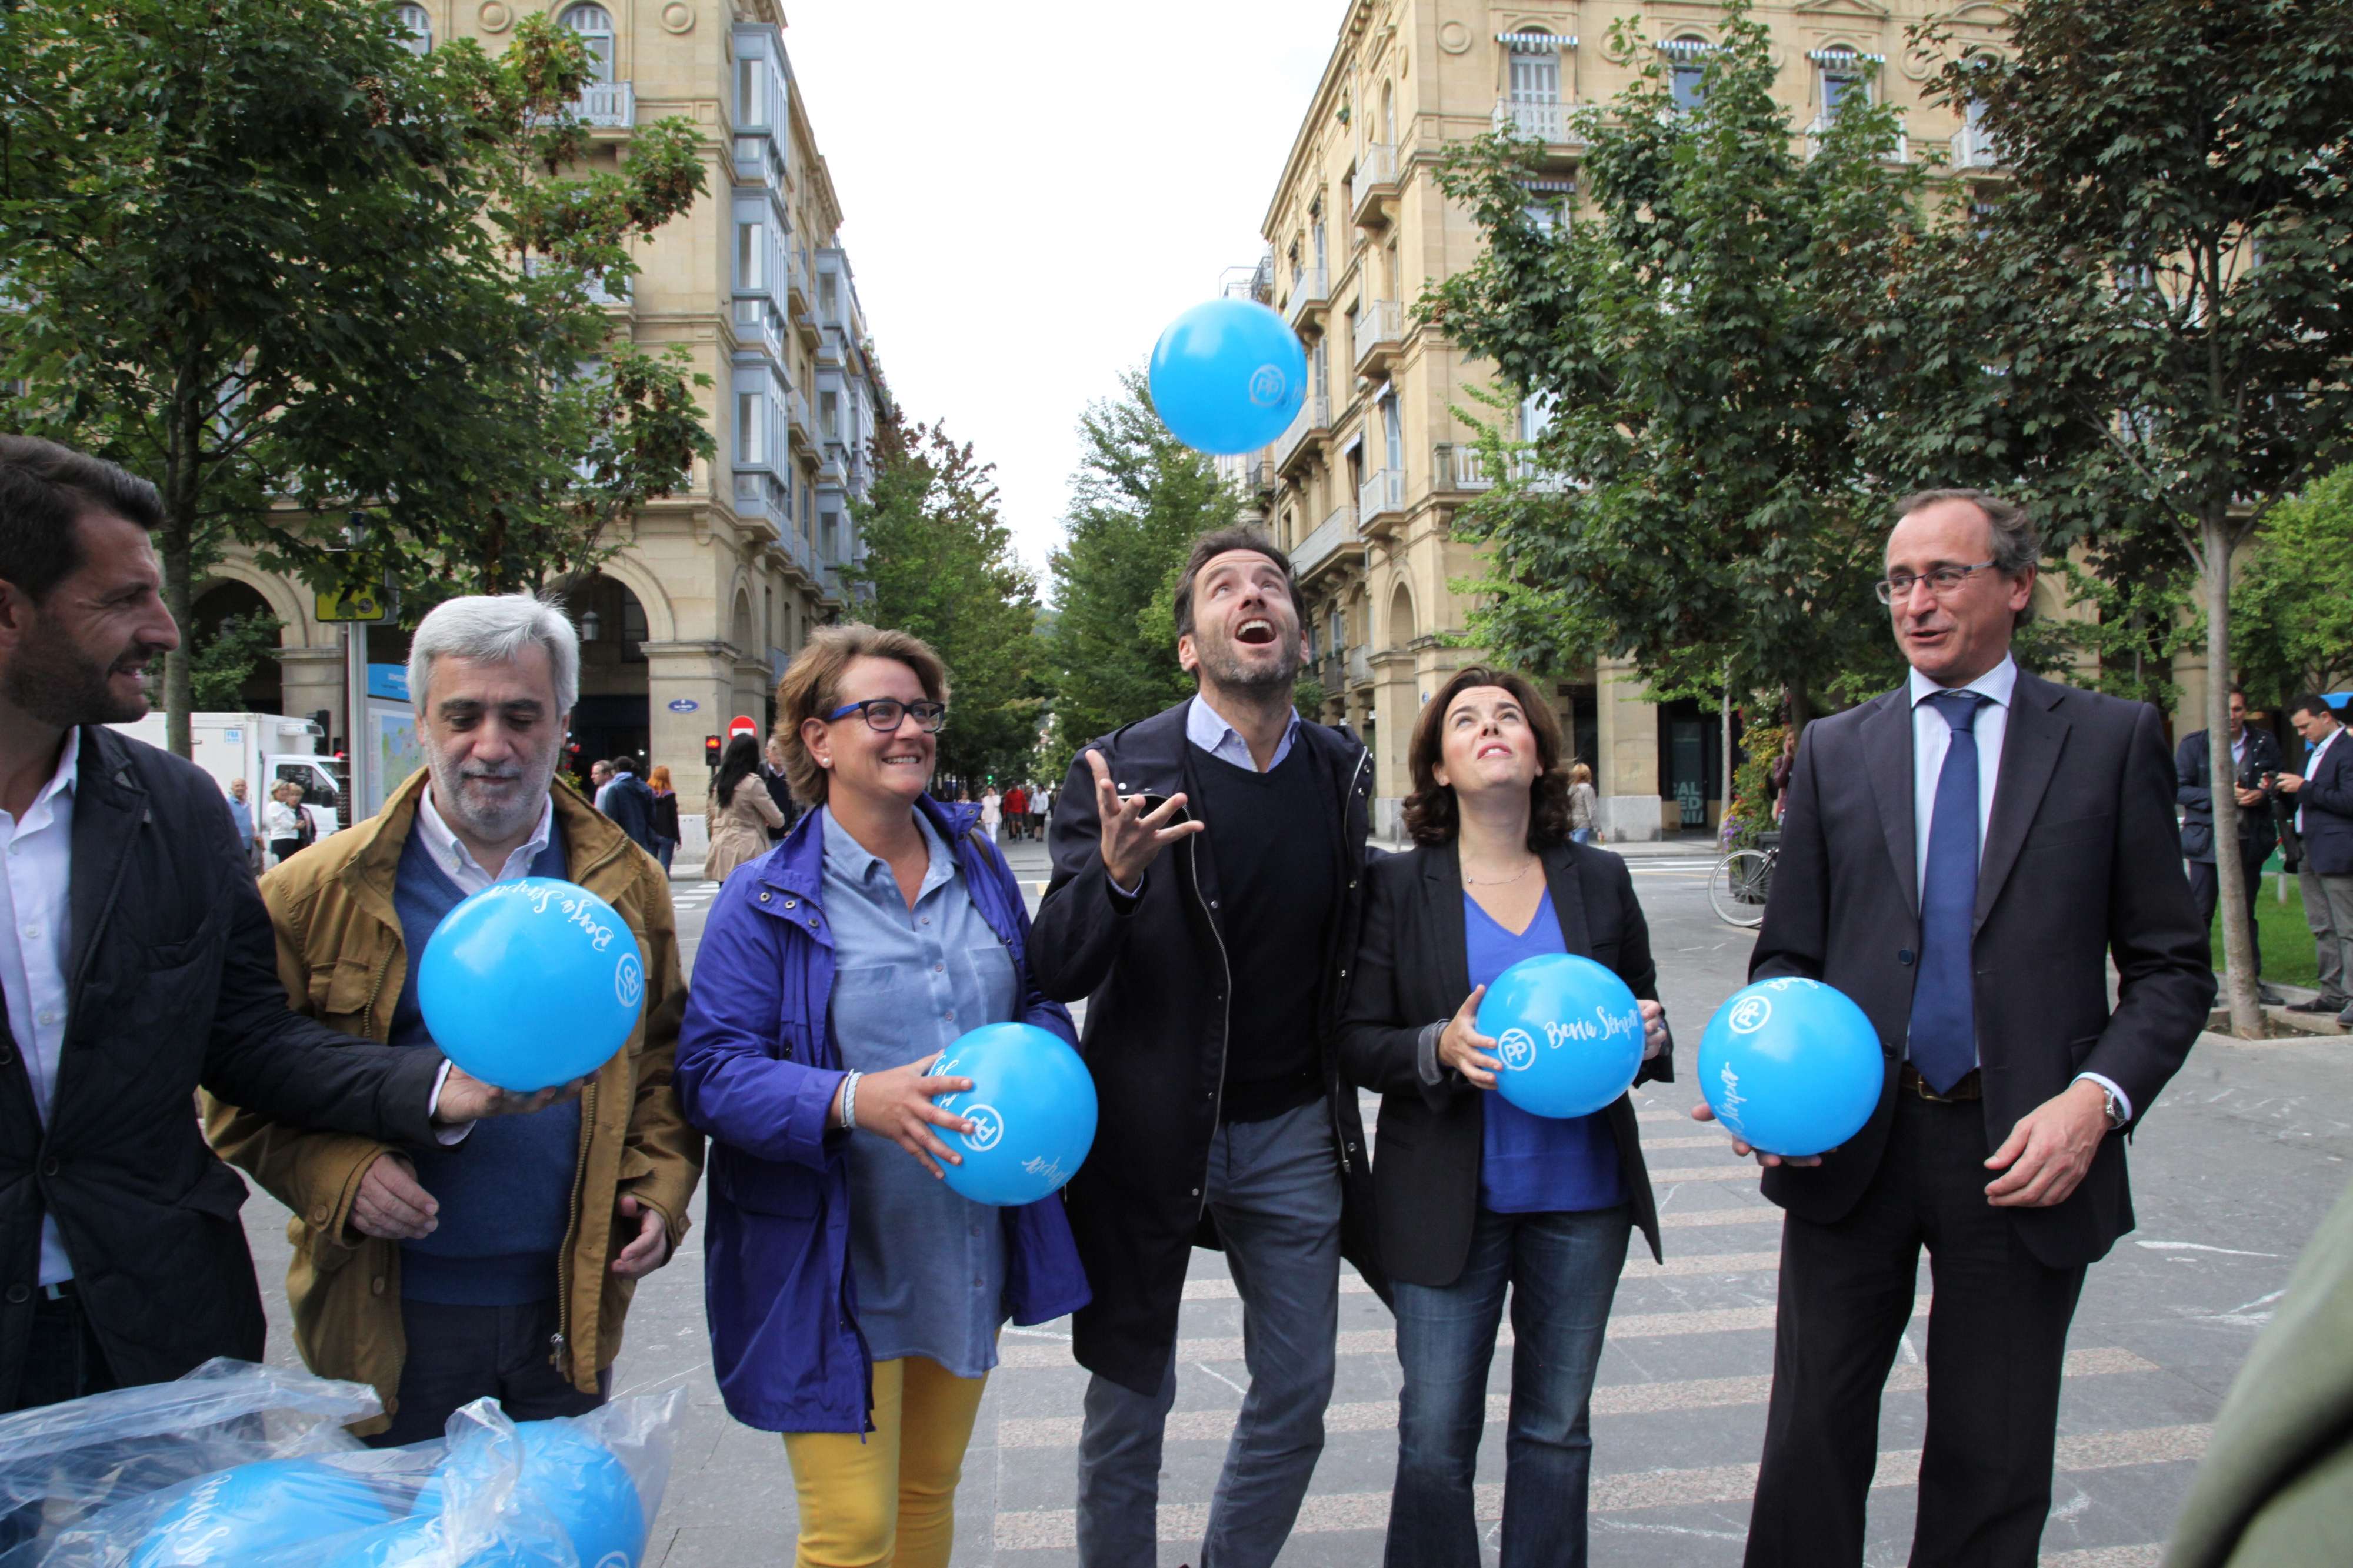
[1270,386]
[1750,1015]
[987,1127]
[1517,1048]
[629,981]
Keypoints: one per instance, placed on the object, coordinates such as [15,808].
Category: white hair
[494,628]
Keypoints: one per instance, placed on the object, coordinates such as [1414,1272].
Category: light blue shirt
[1206,729]
[929,1265]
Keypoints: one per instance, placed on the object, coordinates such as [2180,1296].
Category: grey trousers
[1274,1189]
[2328,911]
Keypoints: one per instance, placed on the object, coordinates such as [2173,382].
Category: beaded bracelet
[850,1100]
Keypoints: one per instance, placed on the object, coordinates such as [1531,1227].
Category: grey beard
[1219,663]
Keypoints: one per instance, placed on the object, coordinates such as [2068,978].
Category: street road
[2232,1170]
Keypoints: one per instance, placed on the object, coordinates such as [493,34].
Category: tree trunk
[1726,746]
[1802,710]
[2222,778]
[179,671]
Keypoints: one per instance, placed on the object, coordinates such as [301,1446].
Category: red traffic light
[711,751]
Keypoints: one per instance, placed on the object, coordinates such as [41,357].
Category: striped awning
[1843,57]
[1533,42]
[1549,187]
[1686,46]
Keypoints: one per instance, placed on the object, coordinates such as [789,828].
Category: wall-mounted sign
[743,725]
[683,705]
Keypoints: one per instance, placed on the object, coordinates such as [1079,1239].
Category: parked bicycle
[1741,881]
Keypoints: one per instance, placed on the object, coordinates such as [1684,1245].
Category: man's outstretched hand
[465,1097]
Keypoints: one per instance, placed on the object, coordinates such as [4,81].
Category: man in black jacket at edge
[1213,975]
[2255,762]
[138,963]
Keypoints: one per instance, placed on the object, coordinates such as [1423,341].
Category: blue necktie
[1943,1009]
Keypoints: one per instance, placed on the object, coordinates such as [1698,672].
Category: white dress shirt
[1206,728]
[2312,766]
[1931,737]
[40,855]
[458,862]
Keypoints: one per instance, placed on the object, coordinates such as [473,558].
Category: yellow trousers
[887,1500]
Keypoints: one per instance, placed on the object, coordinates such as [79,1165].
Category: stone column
[702,674]
[310,678]
[1627,767]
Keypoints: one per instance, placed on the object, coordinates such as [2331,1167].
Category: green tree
[262,255]
[1693,327]
[221,665]
[1138,498]
[942,566]
[2292,608]
[2150,321]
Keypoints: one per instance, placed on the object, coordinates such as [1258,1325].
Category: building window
[1686,72]
[828,413]
[1535,76]
[417,27]
[633,619]
[828,292]
[1535,416]
[751,90]
[594,27]
[1844,82]
[752,258]
[751,428]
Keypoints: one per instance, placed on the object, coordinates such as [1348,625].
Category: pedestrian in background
[248,836]
[854,1298]
[287,825]
[779,785]
[1477,1196]
[503,1267]
[1962,856]
[1042,808]
[992,812]
[629,803]
[600,773]
[666,832]
[1584,805]
[740,815]
[1017,813]
[2255,765]
[2323,793]
[1213,980]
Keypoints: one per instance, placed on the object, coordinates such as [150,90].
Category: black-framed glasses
[883,713]
[1943,581]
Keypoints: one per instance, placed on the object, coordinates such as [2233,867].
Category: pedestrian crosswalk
[1686,1377]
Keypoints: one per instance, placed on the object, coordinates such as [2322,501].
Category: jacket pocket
[340,991]
[764,1186]
[219,1193]
[2097,829]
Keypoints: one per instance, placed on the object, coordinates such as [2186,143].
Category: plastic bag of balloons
[493,1493]
[61,1466]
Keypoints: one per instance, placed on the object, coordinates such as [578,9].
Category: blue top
[1535,1164]
[505,1192]
[930,1265]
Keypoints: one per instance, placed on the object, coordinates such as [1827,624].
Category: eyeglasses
[883,713]
[1943,581]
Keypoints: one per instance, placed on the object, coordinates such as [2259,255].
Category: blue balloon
[578,1482]
[1568,1031]
[236,1515]
[1032,1103]
[423,1542]
[1227,376]
[1791,1067]
[532,983]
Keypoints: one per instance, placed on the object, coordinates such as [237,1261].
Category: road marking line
[1638,1265]
[2105,1557]
[1057,1529]
[1612,1399]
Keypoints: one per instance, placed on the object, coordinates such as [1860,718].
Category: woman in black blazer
[1477,1195]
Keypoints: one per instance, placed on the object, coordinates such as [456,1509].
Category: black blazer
[2081,863]
[1412,970]
[2326,798]
[2194,791]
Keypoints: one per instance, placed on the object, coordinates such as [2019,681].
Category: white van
[263,749]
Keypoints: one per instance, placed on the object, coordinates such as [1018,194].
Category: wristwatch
[2113,1103]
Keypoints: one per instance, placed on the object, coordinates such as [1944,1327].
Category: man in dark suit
[2254,760]
[1962,856]
[2323,793]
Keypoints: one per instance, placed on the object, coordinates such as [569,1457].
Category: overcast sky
[1030,192]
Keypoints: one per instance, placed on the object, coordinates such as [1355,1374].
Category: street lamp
[591,626]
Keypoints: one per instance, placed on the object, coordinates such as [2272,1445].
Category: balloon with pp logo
[1227,376]
[530,983]
[1791,1067]
[1032,1106]
[237,1515]
[1568,1031]
[562,1474]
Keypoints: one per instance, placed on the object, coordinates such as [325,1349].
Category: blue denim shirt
[930,1265]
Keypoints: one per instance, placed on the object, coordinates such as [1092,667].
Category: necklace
[1497,881]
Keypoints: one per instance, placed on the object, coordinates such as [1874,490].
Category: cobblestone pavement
[2232,1170]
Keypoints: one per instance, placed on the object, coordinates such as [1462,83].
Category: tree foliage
[2292,608]
[1694,327]
[1138,498]
[221,664]
[941,563]
[259,253]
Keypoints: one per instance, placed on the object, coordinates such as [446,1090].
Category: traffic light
[711,753]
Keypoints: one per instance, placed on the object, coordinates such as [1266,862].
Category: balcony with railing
[1380,337]
[1973,148]
[797,283]
[1550,120]
[833,464]
[617,291]
[1359,666]
[758,160]
[1312,422]
[1380,500]
[607,105]
[760,501]
[1310,296]
[797,419]
[1249,473]
[1818,131]
[1465,468]
[1325,544]
[1374,202]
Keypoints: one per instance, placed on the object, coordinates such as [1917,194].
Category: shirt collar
[1997,684]
[1206,728]
[451,851]
[61,781]
[849,858]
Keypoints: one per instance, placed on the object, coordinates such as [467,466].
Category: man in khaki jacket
[501,1265]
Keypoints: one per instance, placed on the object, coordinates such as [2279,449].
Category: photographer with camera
[2255,763]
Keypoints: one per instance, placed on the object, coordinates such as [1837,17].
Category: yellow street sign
[367,605]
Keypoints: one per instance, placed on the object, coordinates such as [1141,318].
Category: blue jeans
[1562,1269]
[1274,1188]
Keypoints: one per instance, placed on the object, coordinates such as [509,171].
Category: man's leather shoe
[2268,997]
[2318,1004]
[2346,1017]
